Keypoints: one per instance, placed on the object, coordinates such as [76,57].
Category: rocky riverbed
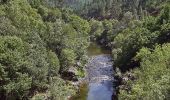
[100,77]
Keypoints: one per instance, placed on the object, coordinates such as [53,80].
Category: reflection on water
[82,93]
[95,49]
[100,91]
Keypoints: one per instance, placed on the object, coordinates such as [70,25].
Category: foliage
[96,28]
[14,78]
[130,40]
[59,90]
[54,64]
[68,58]
[137,47]
[35,41]
[39,41]
[50,15]
[152,77]
[106,9]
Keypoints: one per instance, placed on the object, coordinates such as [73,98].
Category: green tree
[68,58]
[152,78]
[96,28]
[54,64]
[14,78]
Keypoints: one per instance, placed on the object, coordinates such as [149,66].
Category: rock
[98,66]
[70,74]
[72,70]
[78,63]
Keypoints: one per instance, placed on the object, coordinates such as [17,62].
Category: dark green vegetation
[108,9]
[139,37]
[40,40]
[37,44]
[145,47]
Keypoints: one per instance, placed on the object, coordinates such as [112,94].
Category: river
[99,75]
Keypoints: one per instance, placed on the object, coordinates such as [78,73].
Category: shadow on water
[95,49]
[82,93]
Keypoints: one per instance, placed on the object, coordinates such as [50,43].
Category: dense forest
[37,44]
[41,40]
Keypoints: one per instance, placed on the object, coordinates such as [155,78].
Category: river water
[99,75]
